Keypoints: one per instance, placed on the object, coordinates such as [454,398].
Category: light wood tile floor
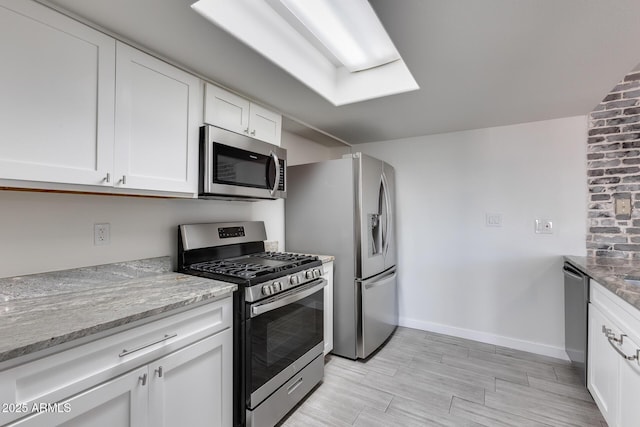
[425,379]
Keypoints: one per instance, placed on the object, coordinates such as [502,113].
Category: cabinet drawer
[622,313]
[61,375]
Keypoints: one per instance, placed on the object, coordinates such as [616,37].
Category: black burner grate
[236,267]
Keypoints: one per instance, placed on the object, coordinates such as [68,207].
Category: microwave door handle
[273,191]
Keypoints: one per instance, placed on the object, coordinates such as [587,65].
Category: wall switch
[544,226]
[623,206]
[101,234]
[493,220]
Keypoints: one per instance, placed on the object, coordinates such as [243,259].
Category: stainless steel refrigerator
[345,208]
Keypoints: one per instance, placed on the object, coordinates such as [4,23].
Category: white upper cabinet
[57,105]
[79,111]
[156,125]
[226,110]
[237,114]
[264,124]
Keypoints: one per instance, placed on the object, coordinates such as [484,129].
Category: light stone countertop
[610,273]
[41,311]
[326,258]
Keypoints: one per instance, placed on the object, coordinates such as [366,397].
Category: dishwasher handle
[570,271]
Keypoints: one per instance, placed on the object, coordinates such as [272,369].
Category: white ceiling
[478,63]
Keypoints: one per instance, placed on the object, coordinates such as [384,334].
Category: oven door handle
[259,309]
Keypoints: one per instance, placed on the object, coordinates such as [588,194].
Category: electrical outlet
[101,234]
[544,226]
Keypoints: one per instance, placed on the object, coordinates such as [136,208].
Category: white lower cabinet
[193,386]
[176,371]
[614,348]
[121,402]
[328,308]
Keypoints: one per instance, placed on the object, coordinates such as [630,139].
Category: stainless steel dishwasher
[576,301]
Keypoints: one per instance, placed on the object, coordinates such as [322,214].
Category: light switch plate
[623,206]
[544,226]
[493,219]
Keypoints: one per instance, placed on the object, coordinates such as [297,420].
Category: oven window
[239,167]
[281,336]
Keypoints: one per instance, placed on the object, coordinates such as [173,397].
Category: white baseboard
[470,334]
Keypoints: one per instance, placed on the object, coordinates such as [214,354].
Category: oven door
[239,166]
[284,334]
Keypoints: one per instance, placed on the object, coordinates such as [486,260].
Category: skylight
[337,48]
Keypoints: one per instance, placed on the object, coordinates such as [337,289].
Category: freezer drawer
[378,315]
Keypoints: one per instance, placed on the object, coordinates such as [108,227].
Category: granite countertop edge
[41,321]
[610,273]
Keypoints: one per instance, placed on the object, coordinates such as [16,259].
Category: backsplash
[613,172]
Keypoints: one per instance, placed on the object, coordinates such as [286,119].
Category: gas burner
[229,268]
[254,265]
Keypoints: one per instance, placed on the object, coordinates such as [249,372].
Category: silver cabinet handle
[246,130]
[126,352]
[107,178]
[159,371]
[123,180]
[611,337]
[143,379]
[253,132]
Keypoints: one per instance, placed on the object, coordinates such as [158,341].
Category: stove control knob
[267,290]
[277,286]
[316,273]
[309,274]
[293,280]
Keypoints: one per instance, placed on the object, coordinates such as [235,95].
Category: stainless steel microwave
[234,166]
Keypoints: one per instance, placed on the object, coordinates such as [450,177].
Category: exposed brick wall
[613,169]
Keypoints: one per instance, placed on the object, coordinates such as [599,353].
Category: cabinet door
[602,376]
[226,110]
[120,402]
[328,308]
[629,413]
[156,129]
[193,386]
[264,124]
[57,84]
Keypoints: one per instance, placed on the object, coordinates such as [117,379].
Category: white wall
[302,150]
[457,276]
[49,231]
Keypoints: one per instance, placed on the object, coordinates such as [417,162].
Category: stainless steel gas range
[278,315]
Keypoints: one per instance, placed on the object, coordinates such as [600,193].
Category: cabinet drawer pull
[612,338]
[126,352]
[107,178]
[143,379]
[159,371]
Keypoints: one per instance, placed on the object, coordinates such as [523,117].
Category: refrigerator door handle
[387,217]
[382,281]
[371,282]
